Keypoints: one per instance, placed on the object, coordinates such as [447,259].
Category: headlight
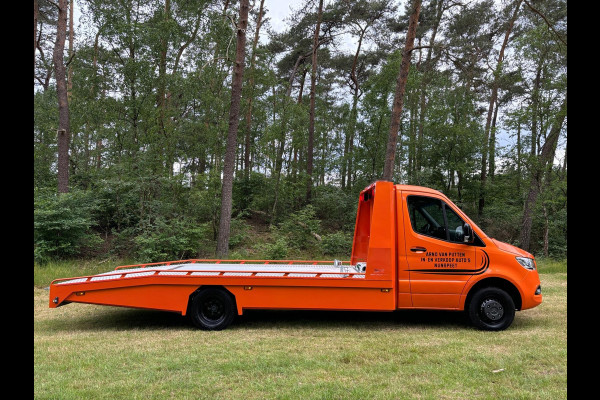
[527,263]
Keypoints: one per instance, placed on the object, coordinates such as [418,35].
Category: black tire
[212,309]
[491,309]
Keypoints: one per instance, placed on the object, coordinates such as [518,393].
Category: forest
[178,129]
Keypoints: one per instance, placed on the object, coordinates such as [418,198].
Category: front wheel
[212,309]
[491,309]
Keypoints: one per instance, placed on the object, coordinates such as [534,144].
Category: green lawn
[96,352]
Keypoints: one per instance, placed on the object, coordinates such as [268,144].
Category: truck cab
[443,260]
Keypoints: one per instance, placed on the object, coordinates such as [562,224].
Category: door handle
[418,249]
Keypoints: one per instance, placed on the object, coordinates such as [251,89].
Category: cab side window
[427,216]
[432,217]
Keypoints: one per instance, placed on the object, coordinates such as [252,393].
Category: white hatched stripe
[105,277]
[272,270]
[139,274]
[205,273]
[72,281]
[172,273]
[228,267]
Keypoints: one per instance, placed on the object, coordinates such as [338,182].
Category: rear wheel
[212,309]
[491,309]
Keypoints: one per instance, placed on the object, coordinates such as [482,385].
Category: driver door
[439,261]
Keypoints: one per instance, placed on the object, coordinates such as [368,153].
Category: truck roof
[417,188]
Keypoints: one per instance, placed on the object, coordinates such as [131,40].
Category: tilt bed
[412,249]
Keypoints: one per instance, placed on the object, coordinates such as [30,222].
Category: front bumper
[531,290]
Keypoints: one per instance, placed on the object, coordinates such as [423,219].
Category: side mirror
[469,236]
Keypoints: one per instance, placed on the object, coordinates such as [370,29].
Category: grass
[46,273]
[98,352]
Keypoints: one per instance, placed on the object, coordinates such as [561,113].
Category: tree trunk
[546,230]
[251,97]
[161,103]
[63,102]
[534,106]
[519,158]
[492,162]
[298,152]
[102,96]
[390,152]
[439,6]
[71,37]
[234,112]
[351,135]
[493,98]
[564,167]
[349,143]
[36,9]
[540,164]
[311,125]
[412,138]
[280,150]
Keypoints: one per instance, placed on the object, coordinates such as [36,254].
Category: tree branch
[53,3]
[421,47]
[70,59]
[39,80]
[186,44]
[547,22]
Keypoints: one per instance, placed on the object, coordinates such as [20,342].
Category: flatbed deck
[255,284]
[336,270]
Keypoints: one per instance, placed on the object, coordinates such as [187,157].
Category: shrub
[335,207]
[337,243]
[300,228]
[273,251]
[238,231]
[173,239]
[62,224]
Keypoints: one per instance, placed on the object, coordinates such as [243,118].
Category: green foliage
[337,243]
[45,120]
[253,193]
[299,229]
[278,250]
[173,239]
[335,208]
[149,106]
[62,224]
[117,202]
[239,231]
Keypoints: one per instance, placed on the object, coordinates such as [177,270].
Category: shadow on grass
[115,318]
[118,319]
[362,320]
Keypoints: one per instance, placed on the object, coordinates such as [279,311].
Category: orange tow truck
[412,249]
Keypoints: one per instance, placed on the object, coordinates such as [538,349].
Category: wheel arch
[497,282]
[204,287]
